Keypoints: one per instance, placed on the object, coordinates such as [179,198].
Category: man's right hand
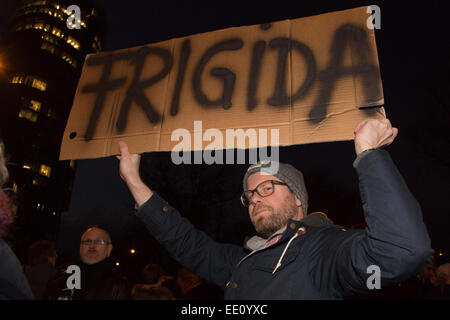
[129,164]
[129,172]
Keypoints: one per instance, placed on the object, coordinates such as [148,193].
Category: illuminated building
[40,64]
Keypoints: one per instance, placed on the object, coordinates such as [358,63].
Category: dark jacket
[317,259]
[13,283]
[98,282]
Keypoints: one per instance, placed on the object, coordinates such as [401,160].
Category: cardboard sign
[289,82]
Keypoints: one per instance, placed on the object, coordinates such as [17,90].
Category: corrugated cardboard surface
[306,77]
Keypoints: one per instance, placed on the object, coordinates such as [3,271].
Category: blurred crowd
[432,283]
[98,279]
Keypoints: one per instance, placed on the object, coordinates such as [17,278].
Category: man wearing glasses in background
[95,245]
[297,255]
[99,281]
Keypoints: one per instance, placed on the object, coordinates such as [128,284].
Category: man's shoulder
[331,236]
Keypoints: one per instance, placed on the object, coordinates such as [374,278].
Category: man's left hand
[374,134]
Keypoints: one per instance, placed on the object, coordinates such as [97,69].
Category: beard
[267,223]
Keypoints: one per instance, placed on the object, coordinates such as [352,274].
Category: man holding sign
[297,255]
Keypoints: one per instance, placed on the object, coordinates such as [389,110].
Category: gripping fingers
[123,148]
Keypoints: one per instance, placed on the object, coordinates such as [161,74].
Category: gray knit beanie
[286,173]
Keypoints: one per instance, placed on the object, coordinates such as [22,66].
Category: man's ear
[298,202]
[299,215]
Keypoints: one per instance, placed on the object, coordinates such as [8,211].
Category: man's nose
[255,198]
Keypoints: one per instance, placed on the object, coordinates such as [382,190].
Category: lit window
[35,105]
[57,32]
[31,104]
[45,170]
[48,47]
[17,79]
[50,39]
[37,3]
[74,43]
[39,25]
[30,81]
[26,166]
[72,164]
[61,54]
[28,114]
[39,181]
[68,58]
[39,84]
[51,113]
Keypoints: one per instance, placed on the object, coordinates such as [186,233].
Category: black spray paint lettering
[228,77]
[184,56]
[284,45]
[101,88]
[346,35]
[255,70]
[135,90]
[356,38]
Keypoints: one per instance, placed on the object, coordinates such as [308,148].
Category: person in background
[41,265]
[154,285]
[195,288]
[13,283]
[443,273]
[99,280]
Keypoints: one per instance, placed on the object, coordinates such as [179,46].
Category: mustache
[259,207]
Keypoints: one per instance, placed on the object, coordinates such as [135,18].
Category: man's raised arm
[129,172]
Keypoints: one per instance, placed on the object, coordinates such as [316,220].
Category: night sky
[413,49]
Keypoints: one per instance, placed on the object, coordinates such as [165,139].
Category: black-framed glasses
[88,242]
[264,189]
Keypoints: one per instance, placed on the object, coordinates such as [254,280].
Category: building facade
[41,57]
